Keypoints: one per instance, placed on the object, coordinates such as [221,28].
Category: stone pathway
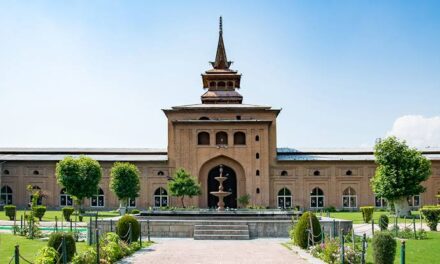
[183,250]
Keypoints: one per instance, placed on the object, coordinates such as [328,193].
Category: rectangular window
[131,202]
[97,201]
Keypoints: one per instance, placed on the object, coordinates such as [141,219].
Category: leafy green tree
[124,182]
[400,172]
[80,176]
[183,184]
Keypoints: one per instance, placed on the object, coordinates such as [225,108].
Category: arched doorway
[230,185]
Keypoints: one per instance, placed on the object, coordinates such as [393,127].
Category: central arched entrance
[230,185]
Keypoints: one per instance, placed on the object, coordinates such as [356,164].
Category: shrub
[330,209]
[432,215]
[112,252]
[10,211]
[302,227]
[47,255]
[39,211]
[367,213]
[67,212]
[383,222]
[135,211]
[330,253]
[86,257]
[123,228]
[384,248]
[55,240]
[244,200]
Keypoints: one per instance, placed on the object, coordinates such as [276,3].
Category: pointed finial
[221,25]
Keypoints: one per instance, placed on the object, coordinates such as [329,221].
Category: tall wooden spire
[221,81]
[221,61]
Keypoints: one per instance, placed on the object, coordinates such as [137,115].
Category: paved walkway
[184,251]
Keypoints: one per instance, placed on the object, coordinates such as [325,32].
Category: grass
[51,214]
[416,251]
[28,248]
[356,217]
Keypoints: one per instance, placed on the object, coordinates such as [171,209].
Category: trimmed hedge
[67,212]
[384,248]
[432,216]
[367,213]
[135,211]
[383,222]
[123,227]
[300,233]
[55,240]
[39,211]
[10,211]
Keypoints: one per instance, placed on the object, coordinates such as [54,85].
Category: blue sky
[98,73]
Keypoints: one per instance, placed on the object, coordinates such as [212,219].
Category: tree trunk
[181,199]
[401,207]
[80,204]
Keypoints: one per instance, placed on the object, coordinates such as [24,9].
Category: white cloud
[417,130]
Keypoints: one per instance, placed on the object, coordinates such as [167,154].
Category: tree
[124,182]
[183,184]
[80,176]
[399,174]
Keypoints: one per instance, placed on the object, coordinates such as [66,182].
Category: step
[224,231]
[221,227]
[220,232]
[221,237]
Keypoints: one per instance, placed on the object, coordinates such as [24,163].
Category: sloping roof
[222,106]
[340,154]
[100,154]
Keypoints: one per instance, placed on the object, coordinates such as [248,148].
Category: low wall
[257,228]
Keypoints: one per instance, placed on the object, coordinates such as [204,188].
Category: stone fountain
[221,193]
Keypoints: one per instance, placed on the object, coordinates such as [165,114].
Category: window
[317,198]
[257,156]
[316,173]
[6,195]
[380,202]
[349,198]
[238,117]
[284,198]
[230,84]
[414,201]
[239,138]
[203,138]
[221,84]
[40,197]
[35,172]
[98,200]
[65,198]
[349,173]
[257,138]
[204,118]
[257,172]
[160,197]
[258,190]
[160,173]
[284,173]
[212,84]
[132,202]
[6,172]
[221,138]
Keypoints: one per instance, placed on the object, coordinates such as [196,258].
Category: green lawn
[417,251]
[50,215]
[28,248]
[356,217]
